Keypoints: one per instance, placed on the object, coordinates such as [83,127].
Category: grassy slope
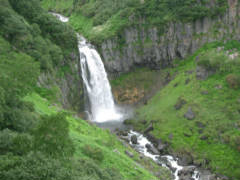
[218,110]
[84,134]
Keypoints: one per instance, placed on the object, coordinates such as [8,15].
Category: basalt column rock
[156,49]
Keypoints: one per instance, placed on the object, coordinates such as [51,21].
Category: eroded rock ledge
[141,46]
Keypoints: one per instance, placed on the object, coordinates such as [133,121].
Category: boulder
[180,103]
[149,128]
[202,73]
[152,139]
[134,139]
[190,115]
[200,125]
[207,175]
[130,154]
[185,160]
[161,146]
[186,173]
[152,149]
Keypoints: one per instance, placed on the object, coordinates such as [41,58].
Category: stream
[105,113]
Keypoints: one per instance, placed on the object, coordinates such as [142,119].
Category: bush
[17,143]
[37,166]
[93,152]
[32,166]
[233,81]
[52,136]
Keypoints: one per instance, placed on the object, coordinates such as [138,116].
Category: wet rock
[134,139]
[161,146]
[185,160]
[180,103]
[149,128]
[190,115]
[207,175]
[128,153]
[152,149]
[164,160]
[152,139]
[186,173]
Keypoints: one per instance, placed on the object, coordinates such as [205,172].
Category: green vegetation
[93,145]
[213,136]
[28,29]
[107,18]
[39,140]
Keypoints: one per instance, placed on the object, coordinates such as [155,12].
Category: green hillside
[38,138]
[212,136]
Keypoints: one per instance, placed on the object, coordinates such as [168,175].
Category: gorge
[119,90]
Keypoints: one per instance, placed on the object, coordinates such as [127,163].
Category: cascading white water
[60,17]
[101,100]
[102,107]
[96,83]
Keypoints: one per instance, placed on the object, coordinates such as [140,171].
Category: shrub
[93,152]
[51,136]
[233,81]
[17,143]
[32,166]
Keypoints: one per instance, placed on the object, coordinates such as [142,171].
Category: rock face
[150,47]
[70,87]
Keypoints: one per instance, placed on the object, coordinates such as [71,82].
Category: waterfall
[97,86]
[101,103]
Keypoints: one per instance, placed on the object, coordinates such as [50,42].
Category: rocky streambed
[141,144]
[180,168]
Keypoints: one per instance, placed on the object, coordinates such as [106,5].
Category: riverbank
[197,113]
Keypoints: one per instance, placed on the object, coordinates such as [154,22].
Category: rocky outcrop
[67,86]
[141,46]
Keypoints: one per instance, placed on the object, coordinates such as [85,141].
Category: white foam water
[141,147]
[97,85]
[60,17]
